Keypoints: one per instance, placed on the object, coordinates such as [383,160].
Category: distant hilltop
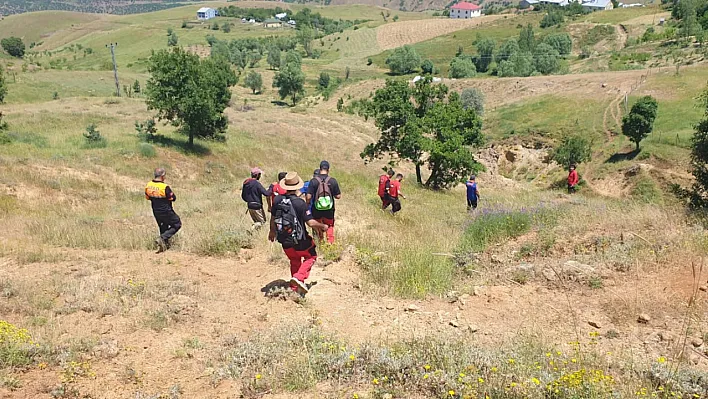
[8,7]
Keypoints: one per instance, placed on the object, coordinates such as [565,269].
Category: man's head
[324,167]
[316,172]
[256,173]
[390,172]
[160,174]
[281,175]
[399,177]
[473,178]
[291,183]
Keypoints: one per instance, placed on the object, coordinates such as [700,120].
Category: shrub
[146,130]
[427,67]
[146,150]
[561,42]
[552,18]
[323,81]
[254,81]
[93,137]
[546,59]
[16,346]
[55,95]
[573,149]
[462,68]
[223,242]
[13,46]
[473,98]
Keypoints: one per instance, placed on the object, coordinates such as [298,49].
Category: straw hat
[292,182]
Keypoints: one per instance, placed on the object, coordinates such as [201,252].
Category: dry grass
[397,34]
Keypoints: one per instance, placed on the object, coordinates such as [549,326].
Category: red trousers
[301,262]
[330,230]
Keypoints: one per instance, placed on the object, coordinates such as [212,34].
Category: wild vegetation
[536,294]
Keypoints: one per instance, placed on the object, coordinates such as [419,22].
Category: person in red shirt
[384,186]
[573,179]
[277,190]
[394,192]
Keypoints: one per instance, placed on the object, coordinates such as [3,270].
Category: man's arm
[310,191]
[476,192]
[271,233]
[170,194]
[264,192]
[314,224]
[336,192]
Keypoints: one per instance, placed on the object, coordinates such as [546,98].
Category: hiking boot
[301,287]
[161,245]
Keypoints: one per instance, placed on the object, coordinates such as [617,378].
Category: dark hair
[316,172]
[391,172]
[324,165]
[400,175]
[282,175]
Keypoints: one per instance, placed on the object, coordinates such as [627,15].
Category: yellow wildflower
[480,380]
[258,376]
[352,357]
[375,381]
[451,392]
[662,359]
[427,367]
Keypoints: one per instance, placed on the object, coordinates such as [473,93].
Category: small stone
[464,298]
[412,308]
[472,328]
[643,318]
[477,290]
[697,342]
[594,323]
[695,359]
[454,323]
[496,259]
[549,274]
[703,288]
[667,336]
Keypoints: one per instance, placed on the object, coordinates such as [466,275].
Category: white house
[282,15]
[465,10]
[205,13]
[560,3]
[597,5]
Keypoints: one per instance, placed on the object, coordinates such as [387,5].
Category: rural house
[272,23]
[597,5]
[205,13]
[465,10]
[560,3]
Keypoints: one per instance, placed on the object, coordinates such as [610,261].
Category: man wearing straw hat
[290,215]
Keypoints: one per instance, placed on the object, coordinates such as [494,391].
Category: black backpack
[288,228]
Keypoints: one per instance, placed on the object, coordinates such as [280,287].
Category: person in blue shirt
[303,191]
[472,193]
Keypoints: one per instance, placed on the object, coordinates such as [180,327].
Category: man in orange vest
[161,197]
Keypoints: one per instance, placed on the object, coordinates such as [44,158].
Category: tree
[215,26]
[254,81]
[323,81]
[403,60]
[172,39]
[689,20]
[425,125]
[3,86]
[462,68]
[13,46]
[572,150]
[552,18]
[519,64]
[273,57]
[136,86]
[290,81]
[509,48]
[485,51]
[561,42]
[169,31]
[226,27]
[427,67]
[698,195]
[305,35]
[526,39]
[292,57]
[189,92]
[254,57]
[347,72]
[473,98]
[546,59]
[640,121]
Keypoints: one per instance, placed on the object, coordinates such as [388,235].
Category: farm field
[536,294]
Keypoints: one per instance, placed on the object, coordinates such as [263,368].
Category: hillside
[537,294]
[9,7]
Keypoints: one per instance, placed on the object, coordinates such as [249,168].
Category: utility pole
[115,67]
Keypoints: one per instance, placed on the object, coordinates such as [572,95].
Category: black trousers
[169,224]
[395,204]
[471,203]
[571,189]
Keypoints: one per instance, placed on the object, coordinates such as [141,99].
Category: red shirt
[277,190]
[395,188]
[383,179]
[573,178]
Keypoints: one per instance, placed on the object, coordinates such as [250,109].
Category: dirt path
[621,36]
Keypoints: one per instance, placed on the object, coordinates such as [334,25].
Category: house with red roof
[465,10]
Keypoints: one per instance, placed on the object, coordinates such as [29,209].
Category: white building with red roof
[465,10]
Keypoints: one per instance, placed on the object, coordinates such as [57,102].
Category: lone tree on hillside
[425,125]
[254,81]
[290,80]
[640,121]
[403,60]
[473,98]
[14,46]
[698,195]
[190,92]
[3,86]
[572,150]
[136,86]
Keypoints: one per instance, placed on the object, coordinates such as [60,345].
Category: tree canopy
[572,150]
[640,121]
[485,53]
[3,86]
[698,195]
[403,60]
[189,92]
[462,67]
[290,80]
[425,125]
[561,42]
[473,98]
[14,46]
[254,81]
